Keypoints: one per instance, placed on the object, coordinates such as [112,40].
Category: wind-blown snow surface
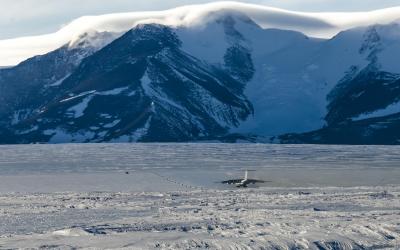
[331,218]
[326,25]
[316,197]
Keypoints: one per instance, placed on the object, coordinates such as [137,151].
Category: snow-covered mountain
[321,25]
[222,74]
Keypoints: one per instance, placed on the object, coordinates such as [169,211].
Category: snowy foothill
[169,196]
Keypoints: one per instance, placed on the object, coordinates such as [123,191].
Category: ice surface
[389,110]
[346,218]
[59,82]
[166,196]
[102,167]
[79,109]
[79,96]
[105,158]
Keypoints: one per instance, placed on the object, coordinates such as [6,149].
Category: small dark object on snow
[243,183]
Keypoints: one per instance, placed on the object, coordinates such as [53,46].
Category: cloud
[33,17]
[13,51]
[331,5]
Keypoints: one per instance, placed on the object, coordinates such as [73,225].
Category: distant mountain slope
[141,87]
[373,131]
[226,80]
[364,107]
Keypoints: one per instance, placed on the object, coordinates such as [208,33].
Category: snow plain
[166,196]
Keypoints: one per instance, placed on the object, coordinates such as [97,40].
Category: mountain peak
[92,40]
[225,74]
[323,25]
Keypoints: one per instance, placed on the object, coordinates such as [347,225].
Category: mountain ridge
[231,80]
[141,69]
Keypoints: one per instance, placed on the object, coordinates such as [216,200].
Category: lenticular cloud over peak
[321,25]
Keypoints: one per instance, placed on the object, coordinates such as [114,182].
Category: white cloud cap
[323,25]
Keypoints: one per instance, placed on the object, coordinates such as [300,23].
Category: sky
[34,17]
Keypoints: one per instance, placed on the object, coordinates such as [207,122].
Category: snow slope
[326,25]
[291,85]
[389,110]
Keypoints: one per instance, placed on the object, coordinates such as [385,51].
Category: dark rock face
[238,59]
[144,87]
[20,85]
[26,87]
[375,131]
[358,94]
[239,62]
[366,92]
[141,87]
